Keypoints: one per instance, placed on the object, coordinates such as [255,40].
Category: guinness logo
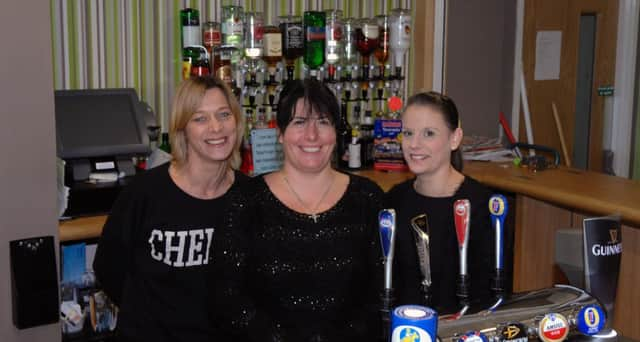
[613,234]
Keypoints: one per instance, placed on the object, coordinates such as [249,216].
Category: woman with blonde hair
[168,226]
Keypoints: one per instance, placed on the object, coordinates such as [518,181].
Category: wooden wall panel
[536,224]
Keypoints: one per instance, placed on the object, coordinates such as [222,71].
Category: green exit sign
[605,91]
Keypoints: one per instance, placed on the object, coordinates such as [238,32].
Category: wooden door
[565,16]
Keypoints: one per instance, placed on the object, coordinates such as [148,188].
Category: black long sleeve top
[289,278]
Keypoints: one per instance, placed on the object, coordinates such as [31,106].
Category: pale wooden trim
[423,29]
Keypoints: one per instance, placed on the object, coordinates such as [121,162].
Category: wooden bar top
[588,192]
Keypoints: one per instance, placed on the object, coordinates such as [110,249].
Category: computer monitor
[93,123]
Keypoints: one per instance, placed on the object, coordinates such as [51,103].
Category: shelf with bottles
[360,59]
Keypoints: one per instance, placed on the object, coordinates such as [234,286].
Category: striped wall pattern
[136,43]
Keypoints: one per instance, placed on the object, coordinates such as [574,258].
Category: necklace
[313,213]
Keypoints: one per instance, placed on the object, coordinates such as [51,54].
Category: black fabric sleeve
[369,323]
[233,312]
[115,247]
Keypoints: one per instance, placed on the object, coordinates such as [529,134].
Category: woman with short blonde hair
[173,222]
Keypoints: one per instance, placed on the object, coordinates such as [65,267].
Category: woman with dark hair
[309,271]
[431,141]
[168,226]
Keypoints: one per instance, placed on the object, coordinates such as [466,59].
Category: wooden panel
[423,29]
[82,228]
[536,224]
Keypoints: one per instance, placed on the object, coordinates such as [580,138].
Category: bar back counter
[545,201]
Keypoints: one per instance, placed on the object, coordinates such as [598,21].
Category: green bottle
[314,28]
[164,143]
[190,27]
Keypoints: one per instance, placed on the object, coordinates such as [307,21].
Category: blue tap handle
[498,209]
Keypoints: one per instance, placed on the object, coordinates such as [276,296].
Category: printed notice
[548,51]
[266,151]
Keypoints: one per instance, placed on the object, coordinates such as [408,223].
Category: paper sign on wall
[266,151]
[548,52]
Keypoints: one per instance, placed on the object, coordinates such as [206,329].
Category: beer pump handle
[387,231]
[498,208]
[462,217]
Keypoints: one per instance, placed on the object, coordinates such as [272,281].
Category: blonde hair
[187,99]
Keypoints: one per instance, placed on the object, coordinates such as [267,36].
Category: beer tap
[387,230]
[421,234]
[462,217]
[498,209]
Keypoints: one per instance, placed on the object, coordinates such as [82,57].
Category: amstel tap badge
[553,328]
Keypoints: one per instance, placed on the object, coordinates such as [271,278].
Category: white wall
[27,145]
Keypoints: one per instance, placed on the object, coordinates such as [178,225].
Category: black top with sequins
[289,278]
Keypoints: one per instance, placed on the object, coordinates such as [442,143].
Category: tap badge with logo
[473,336]
[496,205]
[413,323]
[590,319]
[553,327]
[514,332]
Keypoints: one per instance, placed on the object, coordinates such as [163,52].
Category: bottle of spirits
[165,145]
[399,37]
[350,50]
[367,41]
[314,26]
[272,41]
[366,139]
[343,138]
[382,51]
[333,45]
[253,42]
[292,41]
[233,29]
[190,27]
[211,36]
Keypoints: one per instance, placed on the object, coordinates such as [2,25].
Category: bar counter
[545,201]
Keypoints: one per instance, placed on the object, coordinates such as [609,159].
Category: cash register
[98,133]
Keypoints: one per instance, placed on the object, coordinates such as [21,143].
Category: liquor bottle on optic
[333,40]
[399,37]
[272,50]
[367,41]
[253,42]
[382,50]
[292,41]
[211,37]
[350,50]
[314,25]
[190,27]
[233,29]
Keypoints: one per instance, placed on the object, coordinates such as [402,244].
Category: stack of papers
[485,149]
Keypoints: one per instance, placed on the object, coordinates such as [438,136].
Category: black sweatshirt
[154,252]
